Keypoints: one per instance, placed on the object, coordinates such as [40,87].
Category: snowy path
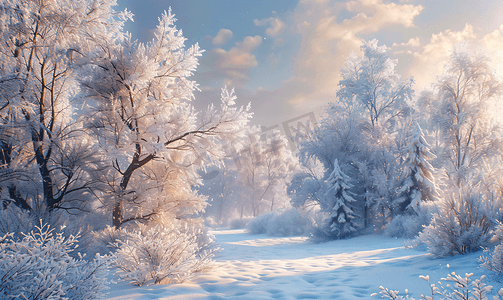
[260,267]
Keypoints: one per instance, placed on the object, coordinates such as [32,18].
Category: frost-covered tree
[370,84]
[466,91]
[340,202]
[263,165]
[44,43]
[139,100]
[419,183]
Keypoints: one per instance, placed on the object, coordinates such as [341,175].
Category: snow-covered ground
[261,267]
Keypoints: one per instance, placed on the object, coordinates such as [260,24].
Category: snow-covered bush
[287,223]
[410,225]
[161,254]
[456,288]
[405,226]
[15,220]
[211,223]
[498,233]
[105,240]
[461,226]
[494,261]
[259,224]
[40,267]
[239,223]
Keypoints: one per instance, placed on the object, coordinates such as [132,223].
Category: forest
[107,167]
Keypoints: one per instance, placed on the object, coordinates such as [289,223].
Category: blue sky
[284,56]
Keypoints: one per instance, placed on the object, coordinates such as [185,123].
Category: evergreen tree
[419,183]
[341,223]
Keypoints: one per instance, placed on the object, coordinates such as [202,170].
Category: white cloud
[373,15]
[276,29]
[240,56]
[493,42]
[413,42]
[232,66]
[326,42]
[429,60]
[277,26]
[222,37]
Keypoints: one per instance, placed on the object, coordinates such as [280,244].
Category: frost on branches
[456,287]
[162,254]
[462,225]
[93,123]
[341,214]
[46,153]
[139,101]
[40,267]
[419,183]
[370,84]
[495,260]
[466,92]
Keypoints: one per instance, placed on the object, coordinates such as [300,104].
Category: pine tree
[419,183]
[341,223]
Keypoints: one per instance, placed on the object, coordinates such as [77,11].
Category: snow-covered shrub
[39,267]
[456,288]
[260,224]
[461,226]
[287,223]
[105,240]
[161,254]
[405,226]
[239,223]
[410,225]
[495,261]
[15,220]
[498,233]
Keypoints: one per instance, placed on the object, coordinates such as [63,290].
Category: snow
[261,267]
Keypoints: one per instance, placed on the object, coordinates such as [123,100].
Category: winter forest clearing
[110,178]
[261,267]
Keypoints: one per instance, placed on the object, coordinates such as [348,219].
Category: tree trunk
[136,163]
[117,215]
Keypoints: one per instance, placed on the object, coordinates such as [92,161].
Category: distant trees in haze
[256,173]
